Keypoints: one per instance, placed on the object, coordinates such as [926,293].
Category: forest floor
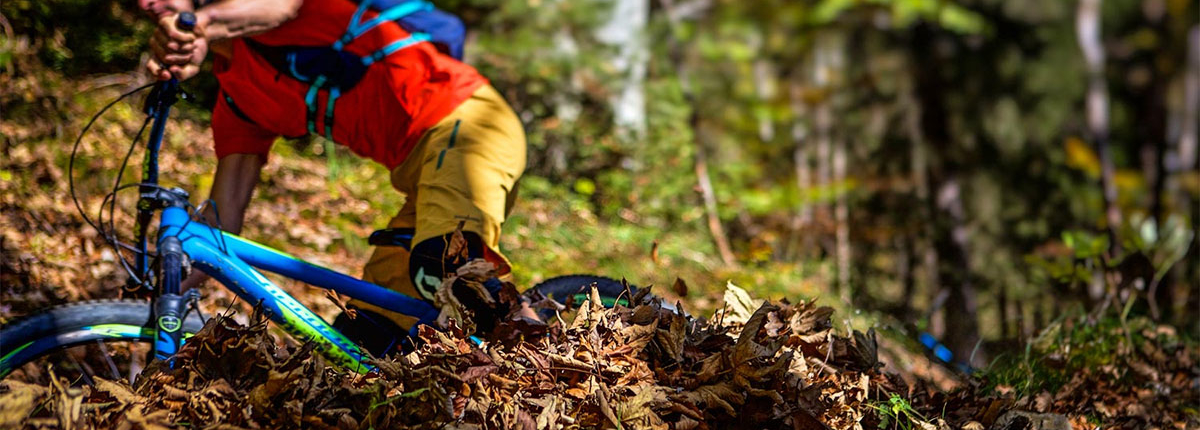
[784,362]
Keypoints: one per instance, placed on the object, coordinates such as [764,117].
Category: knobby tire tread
[68,317]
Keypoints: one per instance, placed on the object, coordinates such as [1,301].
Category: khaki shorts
[465,169]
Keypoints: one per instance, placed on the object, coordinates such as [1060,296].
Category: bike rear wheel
[575,289]
[78,324]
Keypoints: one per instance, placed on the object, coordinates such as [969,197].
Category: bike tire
[80,323]
[576,288]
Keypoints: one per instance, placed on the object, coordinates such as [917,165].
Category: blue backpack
[336,70]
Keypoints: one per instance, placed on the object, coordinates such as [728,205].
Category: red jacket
[382,117]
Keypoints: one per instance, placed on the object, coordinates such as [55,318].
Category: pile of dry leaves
[646,366]
[1149,378]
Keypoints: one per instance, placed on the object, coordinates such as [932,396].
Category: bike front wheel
[97,322]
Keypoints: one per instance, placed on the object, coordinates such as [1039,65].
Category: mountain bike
[182,244]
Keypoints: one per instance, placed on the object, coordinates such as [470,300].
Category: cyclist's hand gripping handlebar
[177,52]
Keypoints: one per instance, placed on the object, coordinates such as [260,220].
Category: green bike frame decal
[4,360]
[169,324]
[128,331]
[122,330]
[301,322]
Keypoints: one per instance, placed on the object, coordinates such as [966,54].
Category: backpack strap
[357,27]
[393,47]
[334,93]
[310,100]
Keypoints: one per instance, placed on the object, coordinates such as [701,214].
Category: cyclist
[453,145]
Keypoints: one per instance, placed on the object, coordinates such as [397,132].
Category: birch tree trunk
[1189,136]
[626,29]
[764,88]
[829,66]
[1087,27]
[841,218]
[822,77]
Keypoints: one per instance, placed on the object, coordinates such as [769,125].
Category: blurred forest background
[975,169]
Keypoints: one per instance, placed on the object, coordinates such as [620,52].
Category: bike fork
[170,307]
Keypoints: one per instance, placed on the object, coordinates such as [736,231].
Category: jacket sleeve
[235,133]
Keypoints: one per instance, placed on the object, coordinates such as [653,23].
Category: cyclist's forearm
[229,19]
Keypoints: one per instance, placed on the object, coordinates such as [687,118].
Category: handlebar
[186,21]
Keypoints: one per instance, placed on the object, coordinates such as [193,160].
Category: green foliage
[1163,246]
[1077,342]
[897,413]
[949,15]
[80,35]
[1088,251]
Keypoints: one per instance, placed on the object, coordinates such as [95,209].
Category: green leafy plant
[897,413]
[1164,245]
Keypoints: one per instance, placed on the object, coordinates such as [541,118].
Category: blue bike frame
[231,260]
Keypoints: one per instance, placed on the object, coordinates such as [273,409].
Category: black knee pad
[429,265]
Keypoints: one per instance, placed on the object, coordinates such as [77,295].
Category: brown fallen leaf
[18,400]
[456,250]
[333,297]
[680,287]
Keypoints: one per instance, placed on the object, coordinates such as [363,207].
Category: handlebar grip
[186,21]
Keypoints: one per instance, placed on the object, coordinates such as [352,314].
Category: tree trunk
[704,182]
[802,220]
[1189,136]
[1002,304]
[1153,120]
[841,217]
[919,167]
[1188,159]
[908,279]
[826,59]
[828,68]
[764,88]
[710,198]
[626,29]
[962,325]
[951,236]
[1087,25]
